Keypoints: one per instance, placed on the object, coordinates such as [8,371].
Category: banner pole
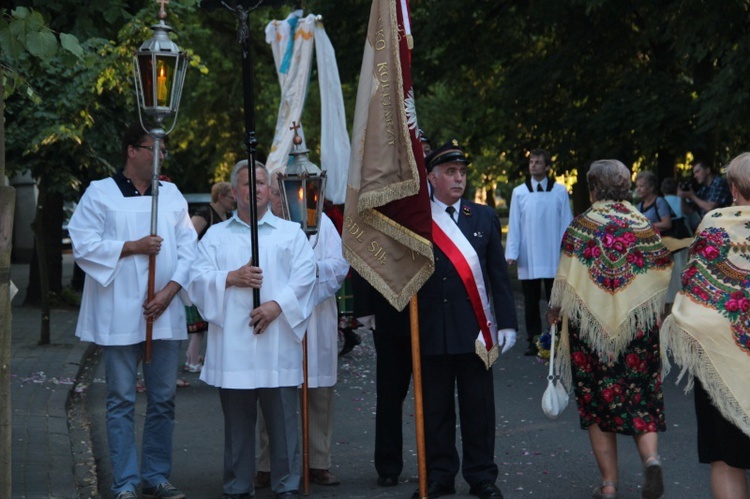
[418,406]
[305,423]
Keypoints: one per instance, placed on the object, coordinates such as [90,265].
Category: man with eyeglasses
[110,231]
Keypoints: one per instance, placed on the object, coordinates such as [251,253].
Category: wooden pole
[305,424]
[157,134]
[151,293]
[416,363]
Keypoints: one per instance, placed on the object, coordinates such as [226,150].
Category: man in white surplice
[322,349]
[539,214]
[254,353]
[111,243]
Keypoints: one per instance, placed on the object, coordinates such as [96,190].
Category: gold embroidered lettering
[378,252]
[380,36]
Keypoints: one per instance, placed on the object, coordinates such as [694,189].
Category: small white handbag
[555,398]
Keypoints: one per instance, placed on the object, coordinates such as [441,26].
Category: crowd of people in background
[637,275]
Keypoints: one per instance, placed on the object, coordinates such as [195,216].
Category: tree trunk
[53,220]
[76,282]
[41,254]
[581,200]
[7,210]
[490,193]
[665,167]
[33,297]
[51,213]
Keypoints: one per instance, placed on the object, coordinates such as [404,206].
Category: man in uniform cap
[460,338]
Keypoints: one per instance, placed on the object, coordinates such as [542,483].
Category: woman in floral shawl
[609,292]
[709,335]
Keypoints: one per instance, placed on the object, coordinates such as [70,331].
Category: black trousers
[392,379]
[532,295]
[442,377]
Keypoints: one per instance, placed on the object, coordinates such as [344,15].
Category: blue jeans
[121,365]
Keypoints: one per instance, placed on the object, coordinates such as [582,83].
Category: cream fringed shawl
[708,332]
[612,279]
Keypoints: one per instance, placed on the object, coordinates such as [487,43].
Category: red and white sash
[451,241]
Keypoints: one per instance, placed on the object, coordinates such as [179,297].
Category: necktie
[539,187]
[451,210]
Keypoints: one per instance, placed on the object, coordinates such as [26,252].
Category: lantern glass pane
[313,193]
[165,77]
[295,199]
[146,72]
[179,80]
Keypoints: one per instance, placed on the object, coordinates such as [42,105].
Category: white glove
[506,338]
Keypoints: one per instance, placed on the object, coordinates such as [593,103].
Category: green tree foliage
[210,135]
[23,35]
[645,82]
[46,127]
[641,81]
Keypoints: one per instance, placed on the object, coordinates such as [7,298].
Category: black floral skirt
[621,396]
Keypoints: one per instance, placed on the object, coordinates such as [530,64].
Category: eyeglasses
[163,150]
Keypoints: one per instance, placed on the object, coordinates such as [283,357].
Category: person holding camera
[712,192]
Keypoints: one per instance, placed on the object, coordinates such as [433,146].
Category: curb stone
[79,426]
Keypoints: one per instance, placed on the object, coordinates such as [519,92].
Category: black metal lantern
[159,69]
[302,189]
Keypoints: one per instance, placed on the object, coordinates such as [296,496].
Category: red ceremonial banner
[387,220]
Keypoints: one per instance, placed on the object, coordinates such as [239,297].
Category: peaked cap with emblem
[450,152]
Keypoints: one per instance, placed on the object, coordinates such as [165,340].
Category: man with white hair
[254,351]
[467,319]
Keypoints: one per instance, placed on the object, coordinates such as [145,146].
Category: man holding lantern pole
[111,239]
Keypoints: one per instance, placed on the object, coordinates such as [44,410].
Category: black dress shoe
[286,495]
[531,351]
[262,480]
[351,340]
[434,490]
[486,490]
[387,481]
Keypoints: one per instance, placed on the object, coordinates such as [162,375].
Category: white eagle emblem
[411,111]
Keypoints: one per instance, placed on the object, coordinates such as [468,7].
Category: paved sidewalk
[49,458]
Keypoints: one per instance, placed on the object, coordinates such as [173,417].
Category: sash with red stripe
[451,241]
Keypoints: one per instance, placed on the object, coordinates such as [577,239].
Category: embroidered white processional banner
[292,41]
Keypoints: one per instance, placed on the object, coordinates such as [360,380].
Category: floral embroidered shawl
[612,279]
[708,331]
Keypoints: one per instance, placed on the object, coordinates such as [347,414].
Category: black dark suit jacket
[447,321]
